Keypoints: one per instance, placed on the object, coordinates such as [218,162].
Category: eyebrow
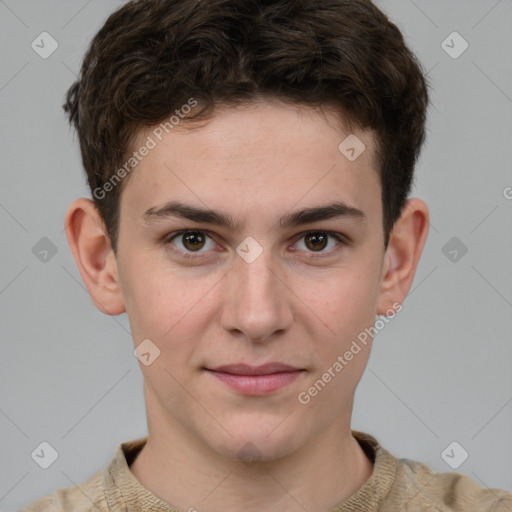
[176,209]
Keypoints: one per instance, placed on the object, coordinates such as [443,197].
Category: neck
[179,469]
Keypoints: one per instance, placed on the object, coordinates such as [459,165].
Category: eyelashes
[195,237]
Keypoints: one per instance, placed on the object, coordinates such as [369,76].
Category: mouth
[256,380]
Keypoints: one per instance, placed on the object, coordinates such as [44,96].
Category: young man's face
[301,302]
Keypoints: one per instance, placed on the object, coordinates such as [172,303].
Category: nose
[258,300]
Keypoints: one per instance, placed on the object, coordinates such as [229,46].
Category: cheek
[347,304]
[341,355]
[168,306]
[145,292]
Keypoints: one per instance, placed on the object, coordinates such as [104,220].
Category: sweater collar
[122,487]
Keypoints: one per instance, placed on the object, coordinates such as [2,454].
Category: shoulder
[101,492]
[421,488]
[86,497]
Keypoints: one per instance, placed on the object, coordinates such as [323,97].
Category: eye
[317,241]
[191,241]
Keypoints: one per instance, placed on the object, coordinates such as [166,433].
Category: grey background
[439,372]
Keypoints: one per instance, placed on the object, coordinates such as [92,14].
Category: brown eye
[193,240]
[316,241]
[190,243]
[324,243]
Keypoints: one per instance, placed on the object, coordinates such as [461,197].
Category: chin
[251,442]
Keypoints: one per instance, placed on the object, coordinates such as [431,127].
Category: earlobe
[406,243]
[90,245]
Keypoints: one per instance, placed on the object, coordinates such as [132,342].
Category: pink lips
[256,380]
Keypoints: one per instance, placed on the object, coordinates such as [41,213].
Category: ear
[401,259]
[96,261]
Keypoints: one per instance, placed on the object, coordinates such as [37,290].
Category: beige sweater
[396,485]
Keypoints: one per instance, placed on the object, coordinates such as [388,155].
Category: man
[250,165]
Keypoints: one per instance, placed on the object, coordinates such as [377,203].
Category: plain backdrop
[439,372]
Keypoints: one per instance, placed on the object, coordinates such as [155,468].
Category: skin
[255,163]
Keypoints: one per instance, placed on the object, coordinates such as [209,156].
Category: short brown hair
[151,56]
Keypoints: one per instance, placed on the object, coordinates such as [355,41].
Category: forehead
[258,157]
